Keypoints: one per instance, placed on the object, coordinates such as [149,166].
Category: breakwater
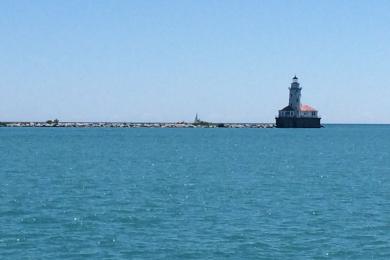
[136,125]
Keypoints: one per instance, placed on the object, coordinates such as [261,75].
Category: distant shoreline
[135,125]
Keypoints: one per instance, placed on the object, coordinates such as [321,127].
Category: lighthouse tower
[295,95]
[297,115]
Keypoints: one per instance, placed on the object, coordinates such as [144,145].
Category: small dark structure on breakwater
[296,115]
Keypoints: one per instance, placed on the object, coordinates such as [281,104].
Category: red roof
[307,108]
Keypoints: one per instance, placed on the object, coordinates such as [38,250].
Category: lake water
[195,193]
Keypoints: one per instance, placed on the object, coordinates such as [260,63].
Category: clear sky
[166,60]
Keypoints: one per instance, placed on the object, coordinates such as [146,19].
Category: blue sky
[166,60]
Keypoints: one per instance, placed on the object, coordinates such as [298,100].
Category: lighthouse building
[297,115]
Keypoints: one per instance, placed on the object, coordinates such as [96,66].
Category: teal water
[195,193]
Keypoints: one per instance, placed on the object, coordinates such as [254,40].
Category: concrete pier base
[295,122]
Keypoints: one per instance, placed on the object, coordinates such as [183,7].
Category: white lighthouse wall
[308,114]
[295,97]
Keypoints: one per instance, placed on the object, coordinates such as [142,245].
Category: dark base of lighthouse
[290,122]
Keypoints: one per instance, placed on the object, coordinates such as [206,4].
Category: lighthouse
[297,115]
[295,95]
